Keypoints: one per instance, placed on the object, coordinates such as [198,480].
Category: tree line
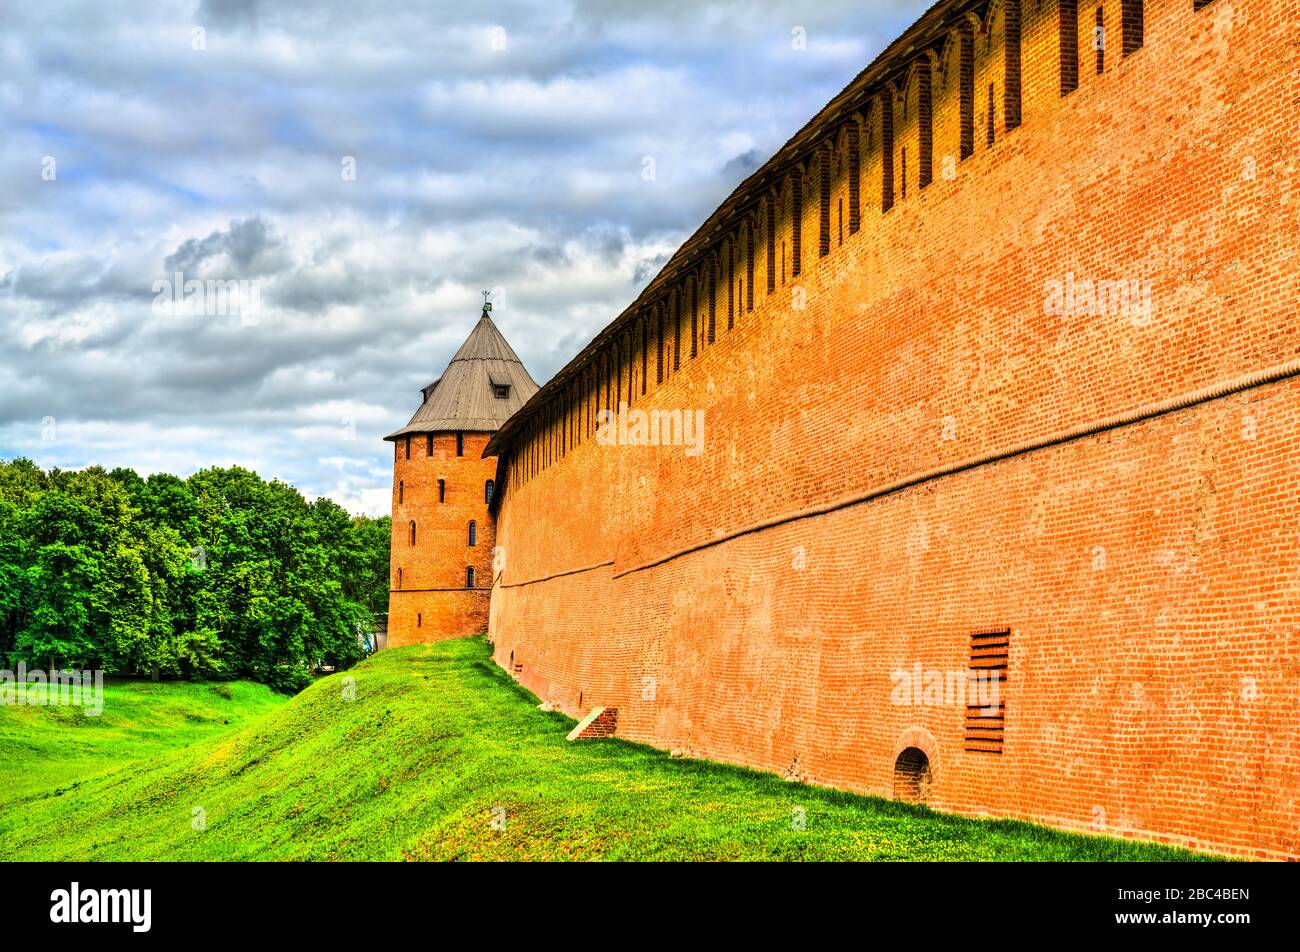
[221,575]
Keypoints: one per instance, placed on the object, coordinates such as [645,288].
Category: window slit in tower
[1131,25]
[1068,27]
[1099,40]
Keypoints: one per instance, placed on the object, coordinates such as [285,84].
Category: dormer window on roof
[501,391]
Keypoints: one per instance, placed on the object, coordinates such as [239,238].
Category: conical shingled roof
[464,397]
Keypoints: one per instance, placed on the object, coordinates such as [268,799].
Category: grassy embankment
[437,743]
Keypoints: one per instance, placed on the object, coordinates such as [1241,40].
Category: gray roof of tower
[462,399]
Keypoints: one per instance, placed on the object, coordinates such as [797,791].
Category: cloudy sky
[367,168]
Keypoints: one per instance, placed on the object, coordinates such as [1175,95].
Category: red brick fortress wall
[930,428]
[431,601]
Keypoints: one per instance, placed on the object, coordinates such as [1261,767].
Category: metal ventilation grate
[986,701]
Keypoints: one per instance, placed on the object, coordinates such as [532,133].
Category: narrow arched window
[1011,64]
[740,281]
[412,532]
[399,579]
[428,445]
[749,266]
[796,226]
[645,352]
[401,492]
[469,577]
[487,491]
[730,266]
[855,175]
[419,620]
[659,330]
[886,150]
[1131,24]
[771,245]
[712,288]
[990,134]
[677,331]
[1099,40]
[966,93]
[693,309]
[630,338]
[925,119]
[473,533]
[460,444]
[442,490]
[1068,24]
[408,447]
[824,203]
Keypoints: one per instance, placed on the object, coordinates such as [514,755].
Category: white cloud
[476,168]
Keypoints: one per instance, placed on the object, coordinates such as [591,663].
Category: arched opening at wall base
[912,776]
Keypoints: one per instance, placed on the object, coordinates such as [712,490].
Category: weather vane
[487,305]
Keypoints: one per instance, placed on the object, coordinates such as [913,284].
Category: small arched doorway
[912,776]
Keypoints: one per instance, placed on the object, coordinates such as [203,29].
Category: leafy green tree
[219,575]
[13,578]
[64,569]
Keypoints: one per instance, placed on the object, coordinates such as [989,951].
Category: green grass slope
[45,748]
[438,741]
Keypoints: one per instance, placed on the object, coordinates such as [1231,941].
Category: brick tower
[443,533]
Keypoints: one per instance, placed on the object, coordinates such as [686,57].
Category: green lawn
[437,741]
[47,748]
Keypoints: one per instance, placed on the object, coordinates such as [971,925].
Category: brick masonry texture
[429,600]
[1147,572]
